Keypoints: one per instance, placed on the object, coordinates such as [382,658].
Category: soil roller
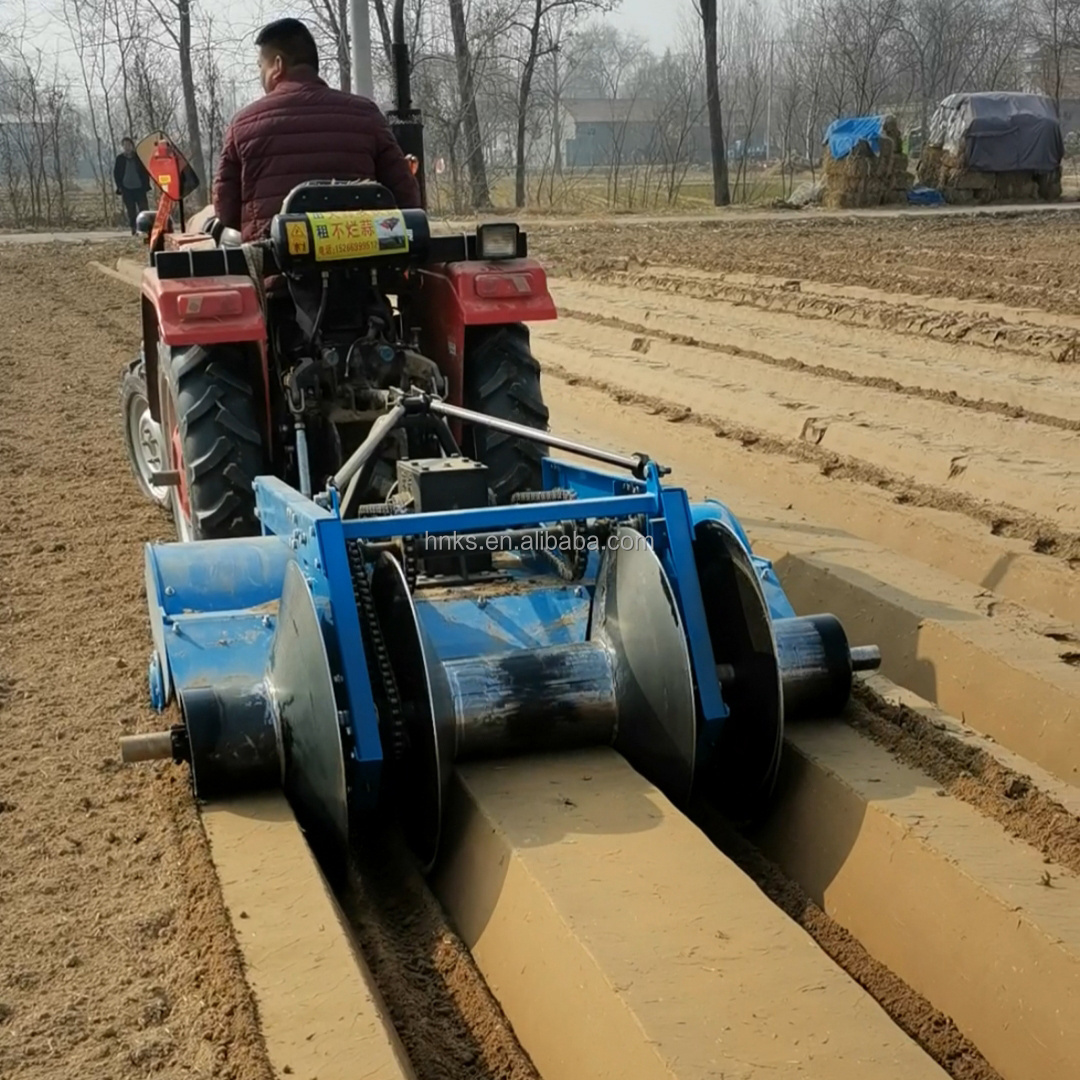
[353,661]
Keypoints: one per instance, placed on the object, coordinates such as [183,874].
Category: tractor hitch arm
[636,464]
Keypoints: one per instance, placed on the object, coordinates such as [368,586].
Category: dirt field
[890,352]
[911,384]
[905,393]
[116,958]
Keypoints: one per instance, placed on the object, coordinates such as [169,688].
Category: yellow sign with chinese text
[358,234]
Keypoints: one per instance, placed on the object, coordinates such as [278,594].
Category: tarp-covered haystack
[864,163]
[992,147]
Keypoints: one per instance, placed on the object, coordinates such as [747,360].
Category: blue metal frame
[214,604]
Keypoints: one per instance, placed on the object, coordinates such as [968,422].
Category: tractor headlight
[497,241]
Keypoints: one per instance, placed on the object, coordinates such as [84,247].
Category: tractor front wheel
[142,434]
[216,447]
[502,380]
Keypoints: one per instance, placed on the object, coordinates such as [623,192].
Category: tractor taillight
[503,286]
[211,305]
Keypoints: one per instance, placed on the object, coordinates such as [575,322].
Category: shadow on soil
[999,571]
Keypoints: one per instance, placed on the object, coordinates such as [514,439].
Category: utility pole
[360,23]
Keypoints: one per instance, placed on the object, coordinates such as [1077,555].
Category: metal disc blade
[420,774]
[747,757]
[302,690]
[636,615]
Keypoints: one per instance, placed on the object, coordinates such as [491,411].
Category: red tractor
[276,357]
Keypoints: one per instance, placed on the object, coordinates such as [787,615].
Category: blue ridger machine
[354,661]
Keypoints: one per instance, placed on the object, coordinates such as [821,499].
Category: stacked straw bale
[950,175]
[865,179]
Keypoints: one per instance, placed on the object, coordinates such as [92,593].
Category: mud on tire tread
[502,380]
[222,446]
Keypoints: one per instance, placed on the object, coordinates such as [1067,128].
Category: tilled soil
[117,959]
[973,774]
[450,1024]
[929,1027]
[116,956]
[1022,260]
[963,769]
[946,403]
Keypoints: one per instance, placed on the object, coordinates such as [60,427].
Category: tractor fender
[204,311]
[183,318]
[457,296]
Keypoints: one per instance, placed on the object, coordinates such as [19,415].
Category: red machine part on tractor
[234,381]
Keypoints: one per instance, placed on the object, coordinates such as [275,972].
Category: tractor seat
[222,236]
[320,196]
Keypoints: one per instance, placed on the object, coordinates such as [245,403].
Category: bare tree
[534,20]
[749,48]
[707,9]
[331,28]
[677,88]
[474,147]
[617,66]
[39,133]
[78,21]
[213,118]
[1055,32]
[861,43]
[175,18]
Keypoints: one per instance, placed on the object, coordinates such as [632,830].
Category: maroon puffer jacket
[303,130]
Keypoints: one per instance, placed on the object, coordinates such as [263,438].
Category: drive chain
[380,670]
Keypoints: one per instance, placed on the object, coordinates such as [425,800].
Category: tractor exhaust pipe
[406,121]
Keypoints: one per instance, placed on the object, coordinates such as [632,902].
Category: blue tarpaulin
[925,196]
[843,136]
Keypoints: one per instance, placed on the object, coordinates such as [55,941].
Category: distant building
[18,136]
[600,132]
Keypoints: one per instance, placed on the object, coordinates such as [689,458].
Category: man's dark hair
[292,40]
[127,139]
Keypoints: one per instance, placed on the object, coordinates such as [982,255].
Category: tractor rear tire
[502,380]
[143,438]
[220,449]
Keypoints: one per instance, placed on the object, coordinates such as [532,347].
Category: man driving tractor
[301,130]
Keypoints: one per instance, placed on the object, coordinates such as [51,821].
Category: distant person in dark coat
[132,181]
[301,130]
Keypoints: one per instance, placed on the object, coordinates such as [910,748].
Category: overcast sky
[659,24]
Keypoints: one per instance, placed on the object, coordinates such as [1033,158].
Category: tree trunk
[525,89]
[721,191]
[384,32]
[344,57]
[470,115]
[191,105]
[522,123]
[556,121]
